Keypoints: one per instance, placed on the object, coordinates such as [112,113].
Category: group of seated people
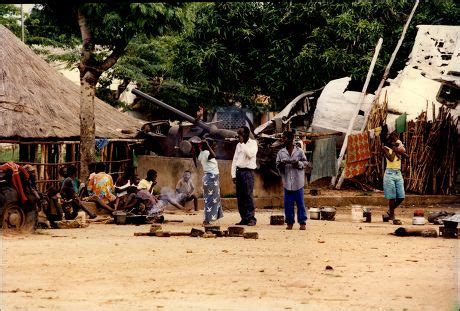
[128,193]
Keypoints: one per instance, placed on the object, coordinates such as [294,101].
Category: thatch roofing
[37,102]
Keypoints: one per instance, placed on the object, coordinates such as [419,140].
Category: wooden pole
[390,63]
[72,148]
[358,107]
[35,159]
[385,76]
[45,156]
[111,146]
[42,161]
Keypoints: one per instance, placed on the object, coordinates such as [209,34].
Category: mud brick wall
[170,170]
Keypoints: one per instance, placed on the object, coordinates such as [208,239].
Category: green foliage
[237,50]
[123,31]
[53,26]
[111,25]
[283,49]
[10,17]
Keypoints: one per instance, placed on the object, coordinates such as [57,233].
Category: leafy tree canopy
[236,50]
[283,49]
[10,17]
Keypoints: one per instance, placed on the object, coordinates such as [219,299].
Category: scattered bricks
[208,235]
[196,232]
[251,235]
[211,228]
[449,233]
[155,228]
[70,224]
[218,233]
[179,233]
[163,234]
[277,220]
[235,231]
[144,233]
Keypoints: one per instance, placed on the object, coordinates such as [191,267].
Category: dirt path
[104,267]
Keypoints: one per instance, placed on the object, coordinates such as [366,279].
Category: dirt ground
[105,267]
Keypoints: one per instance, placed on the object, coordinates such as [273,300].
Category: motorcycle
[14,214]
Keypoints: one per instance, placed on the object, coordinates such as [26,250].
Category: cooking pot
[119,217]
[136,219]
[452,221]
[314,213]
[328,213]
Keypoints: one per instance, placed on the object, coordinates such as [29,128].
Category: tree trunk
[90,71]
[87,124]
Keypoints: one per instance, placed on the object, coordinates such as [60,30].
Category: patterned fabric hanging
[358,154]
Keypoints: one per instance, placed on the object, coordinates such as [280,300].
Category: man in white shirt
[243,165]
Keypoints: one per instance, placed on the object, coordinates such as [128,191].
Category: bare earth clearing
[104,267]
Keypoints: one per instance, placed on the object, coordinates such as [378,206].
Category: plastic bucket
[418,220]
[356,213]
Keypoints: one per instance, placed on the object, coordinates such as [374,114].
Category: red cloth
[16,179]
[358,154]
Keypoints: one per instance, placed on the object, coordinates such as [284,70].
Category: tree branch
[113,57]
[87,38]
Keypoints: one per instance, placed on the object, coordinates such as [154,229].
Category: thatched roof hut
[40,114]
[39,103]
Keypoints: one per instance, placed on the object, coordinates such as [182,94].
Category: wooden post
[45,160]
[390,63]
[358,107]
[35,159]
[385,76]
[73,151]
[42,161]
[111,146]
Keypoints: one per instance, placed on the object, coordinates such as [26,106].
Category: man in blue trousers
[291,162]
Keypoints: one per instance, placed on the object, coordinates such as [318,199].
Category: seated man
[130,204]
[72,203]
[101,185]
[185,190]
[149,183]
[53,210]
[143,202]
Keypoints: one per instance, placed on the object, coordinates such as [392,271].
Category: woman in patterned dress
[211,186]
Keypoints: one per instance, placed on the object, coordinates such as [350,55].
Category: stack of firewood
[432,147]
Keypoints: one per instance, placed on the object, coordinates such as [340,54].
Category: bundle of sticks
[431,146]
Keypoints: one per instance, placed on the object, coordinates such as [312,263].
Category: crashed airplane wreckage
[169,139]
[429,81]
